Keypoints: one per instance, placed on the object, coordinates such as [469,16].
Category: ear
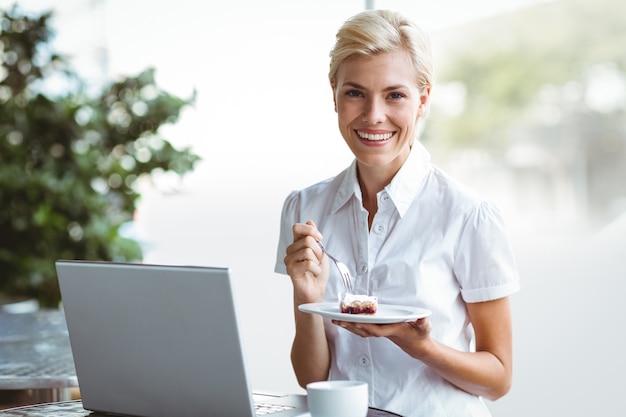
[424,99]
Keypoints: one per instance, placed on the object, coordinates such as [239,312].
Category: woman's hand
[306,264]
[486,372]
[406,334]
[308,268]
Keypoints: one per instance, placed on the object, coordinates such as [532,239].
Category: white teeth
[377,136]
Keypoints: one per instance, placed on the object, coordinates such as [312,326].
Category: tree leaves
[69,163]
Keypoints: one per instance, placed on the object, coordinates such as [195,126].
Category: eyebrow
[360,87]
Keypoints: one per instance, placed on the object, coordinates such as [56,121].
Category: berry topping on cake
[358,304]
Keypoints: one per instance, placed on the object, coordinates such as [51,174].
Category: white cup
[337,399]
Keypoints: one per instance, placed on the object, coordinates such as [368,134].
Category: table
[38,324]
[75,409]
[35,355]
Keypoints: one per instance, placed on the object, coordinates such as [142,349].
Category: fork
[343,269]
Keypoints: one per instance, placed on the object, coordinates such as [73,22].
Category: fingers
[304,247]
[302,263]
[418,329]
[304,256]
[422,326]
[369,329]
[302,230]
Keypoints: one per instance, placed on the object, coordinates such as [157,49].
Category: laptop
[160,341]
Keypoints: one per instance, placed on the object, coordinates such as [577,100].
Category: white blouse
[433,244]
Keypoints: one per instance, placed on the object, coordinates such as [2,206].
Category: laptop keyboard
[265,409]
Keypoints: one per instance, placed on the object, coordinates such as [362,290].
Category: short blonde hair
[374,32]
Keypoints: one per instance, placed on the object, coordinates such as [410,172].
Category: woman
[410,234]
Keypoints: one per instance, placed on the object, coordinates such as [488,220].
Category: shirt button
[385,197]
[363,268]
[364,361]
[379,228]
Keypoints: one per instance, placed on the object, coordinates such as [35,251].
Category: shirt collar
[403,187]
[349,187]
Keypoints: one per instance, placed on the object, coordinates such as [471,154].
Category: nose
[374,111]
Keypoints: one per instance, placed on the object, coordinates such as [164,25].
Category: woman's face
[378,104]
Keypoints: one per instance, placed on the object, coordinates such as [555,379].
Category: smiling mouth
[376,137]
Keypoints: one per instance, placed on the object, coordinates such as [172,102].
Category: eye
[396,96]
[354,93]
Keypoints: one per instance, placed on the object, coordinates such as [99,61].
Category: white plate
[385,314]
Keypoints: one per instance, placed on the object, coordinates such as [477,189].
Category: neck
[374,178]
[371,184]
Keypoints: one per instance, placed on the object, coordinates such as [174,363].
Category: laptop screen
[154,340]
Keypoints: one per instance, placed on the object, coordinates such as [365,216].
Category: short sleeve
[484,264]
[288,218]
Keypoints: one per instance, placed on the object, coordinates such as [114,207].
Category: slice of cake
[358,304]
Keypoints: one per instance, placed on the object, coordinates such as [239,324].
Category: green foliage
[70,163]
[505,63]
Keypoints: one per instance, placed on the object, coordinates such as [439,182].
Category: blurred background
[528,108]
